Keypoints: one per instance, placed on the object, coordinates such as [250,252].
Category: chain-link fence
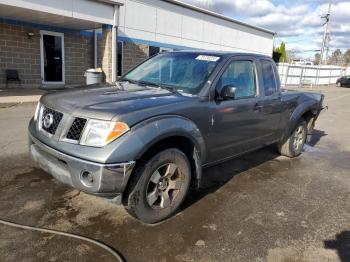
[300,75]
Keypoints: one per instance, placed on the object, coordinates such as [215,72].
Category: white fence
[299,75]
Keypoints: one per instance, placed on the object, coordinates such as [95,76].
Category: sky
[297,23]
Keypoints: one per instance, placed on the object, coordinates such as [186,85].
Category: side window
[240,74]
[269,78]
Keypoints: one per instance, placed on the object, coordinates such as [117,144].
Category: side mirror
[228,92]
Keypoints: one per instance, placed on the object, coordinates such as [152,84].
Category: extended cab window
[240,74]
[269,78]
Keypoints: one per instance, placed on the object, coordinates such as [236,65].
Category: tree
[336,58]
[280,54]
[276,54]
[283,58]
[347,57]
[317,59]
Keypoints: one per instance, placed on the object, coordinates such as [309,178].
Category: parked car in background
[144,140]
[344,81]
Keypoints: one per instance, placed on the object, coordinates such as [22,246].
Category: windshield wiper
[171,89]
[140,83]
[130,81]
[162,86]
[145,83]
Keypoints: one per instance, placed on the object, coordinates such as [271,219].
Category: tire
[293,146]
[158,186]
[339,84]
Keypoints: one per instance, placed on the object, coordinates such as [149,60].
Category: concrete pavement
[20,95]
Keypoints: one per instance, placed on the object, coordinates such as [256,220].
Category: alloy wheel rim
[299,138]
[164,186]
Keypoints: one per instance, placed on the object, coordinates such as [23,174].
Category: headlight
[99,133]
[36,114]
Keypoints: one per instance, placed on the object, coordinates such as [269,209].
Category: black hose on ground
[50,231]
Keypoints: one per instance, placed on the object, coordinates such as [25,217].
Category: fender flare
[147,133]
[298,112]
[155,129]
[133,144]
[151,131]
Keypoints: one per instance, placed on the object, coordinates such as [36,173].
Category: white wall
[162,22]
[291,74]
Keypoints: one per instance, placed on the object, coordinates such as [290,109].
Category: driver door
[235,123]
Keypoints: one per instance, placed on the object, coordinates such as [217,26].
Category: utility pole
[207,5]
[326,33]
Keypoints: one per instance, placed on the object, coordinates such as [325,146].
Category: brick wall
[133,54]
[17,51]
[79,56]
[104,55]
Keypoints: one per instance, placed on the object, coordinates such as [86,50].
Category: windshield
[183,72]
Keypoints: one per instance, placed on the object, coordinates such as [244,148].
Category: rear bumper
[108,180]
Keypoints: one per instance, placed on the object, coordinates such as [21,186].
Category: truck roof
[220,53]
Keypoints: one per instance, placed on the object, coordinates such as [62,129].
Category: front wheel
[338,84]
[293,146]
[159,186]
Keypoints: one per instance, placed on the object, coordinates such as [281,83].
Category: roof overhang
[70,14]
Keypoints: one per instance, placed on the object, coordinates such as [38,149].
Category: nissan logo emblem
[48,120]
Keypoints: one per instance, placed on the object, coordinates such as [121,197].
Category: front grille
[76,129]
[50,119]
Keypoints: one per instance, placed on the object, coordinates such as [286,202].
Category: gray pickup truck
[144,140]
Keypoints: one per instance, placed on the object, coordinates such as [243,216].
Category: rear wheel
[159,186]
[293,146]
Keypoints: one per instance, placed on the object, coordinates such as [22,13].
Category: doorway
[52,57]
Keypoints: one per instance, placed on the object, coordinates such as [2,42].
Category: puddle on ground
[32,197]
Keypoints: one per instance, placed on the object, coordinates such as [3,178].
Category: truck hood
[109,102]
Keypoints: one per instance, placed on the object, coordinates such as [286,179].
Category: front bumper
[107,180]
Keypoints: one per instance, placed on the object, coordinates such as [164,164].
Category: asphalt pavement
[259,207]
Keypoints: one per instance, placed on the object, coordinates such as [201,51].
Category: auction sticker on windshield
[208,58]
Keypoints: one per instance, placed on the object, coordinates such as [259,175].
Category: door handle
[257,107]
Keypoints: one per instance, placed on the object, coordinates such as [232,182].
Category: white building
[54,42]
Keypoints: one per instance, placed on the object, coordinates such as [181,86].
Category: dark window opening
[120,59]
[153,50]
[53,65]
